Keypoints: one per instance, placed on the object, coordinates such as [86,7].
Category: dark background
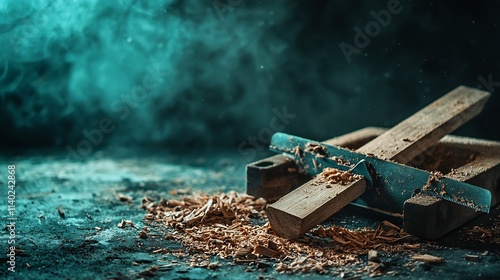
[66,66]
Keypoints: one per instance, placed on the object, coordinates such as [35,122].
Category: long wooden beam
[305,207]
[275,176]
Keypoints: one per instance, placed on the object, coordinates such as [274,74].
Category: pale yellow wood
[310,204]
[273,180]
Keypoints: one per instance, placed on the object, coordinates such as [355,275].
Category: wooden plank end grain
[273,177]
[442,216]
[302,209]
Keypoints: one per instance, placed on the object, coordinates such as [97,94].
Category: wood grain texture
[325,199]
[273,177]
[442,216]
[426,127]
[296,213]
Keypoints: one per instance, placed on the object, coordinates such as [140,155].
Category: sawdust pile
[487,234]
[226,225]
[335,176]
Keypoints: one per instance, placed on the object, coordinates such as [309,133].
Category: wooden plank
[273,177]
[442,216]
[439,219]
[332,199]
[291,219]
[423,129]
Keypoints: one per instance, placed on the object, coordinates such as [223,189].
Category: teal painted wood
[393,183]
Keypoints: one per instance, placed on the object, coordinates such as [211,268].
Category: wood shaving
[61,212]
[316,148]
[428,258]
[373,255]
[176,192]
[265,251]
[298,152]
[224,225]
[487,234]
[126,223]
[340,161]
[335,176]
[124,198]
[142,234]
[362,241]
[242,252]
[472,257]
[435,176]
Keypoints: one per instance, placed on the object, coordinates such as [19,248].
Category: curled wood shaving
[335,176]
[363,240]
[224,225]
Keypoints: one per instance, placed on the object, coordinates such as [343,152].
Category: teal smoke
[216,70]
[66,65]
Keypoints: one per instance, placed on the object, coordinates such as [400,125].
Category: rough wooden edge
[426,127]
[297,215]
[441,216]
[429,228]
[401,143]
[273,177]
